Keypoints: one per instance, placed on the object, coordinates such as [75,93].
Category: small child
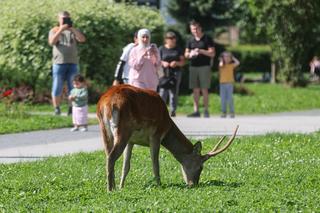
[227,66]
[79,98]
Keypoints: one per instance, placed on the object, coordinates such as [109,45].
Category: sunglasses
[145,36]
[170,37]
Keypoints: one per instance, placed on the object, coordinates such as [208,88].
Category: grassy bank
[264,99]
[256,174]
[16,118]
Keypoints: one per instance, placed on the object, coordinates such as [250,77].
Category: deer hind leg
[120,143]
[112,158]
[126,163]
[154,151]
[120,139]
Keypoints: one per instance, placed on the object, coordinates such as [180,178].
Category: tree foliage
[210,13]
[244,17]
[292,28]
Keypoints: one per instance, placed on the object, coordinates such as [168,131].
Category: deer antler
[217,145]
[214,151]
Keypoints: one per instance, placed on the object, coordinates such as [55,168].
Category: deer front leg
[126,163]
[154,151]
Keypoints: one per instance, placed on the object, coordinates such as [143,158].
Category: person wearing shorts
[63,39]
[200,51]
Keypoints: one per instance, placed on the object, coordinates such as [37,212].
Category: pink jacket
[143,70]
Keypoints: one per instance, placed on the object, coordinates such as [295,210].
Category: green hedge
[253,58]
[25,56]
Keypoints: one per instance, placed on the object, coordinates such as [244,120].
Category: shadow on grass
[205,184]
[220,183]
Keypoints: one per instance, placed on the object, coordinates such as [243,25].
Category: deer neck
[177,143]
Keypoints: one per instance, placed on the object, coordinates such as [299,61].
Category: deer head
[192,164]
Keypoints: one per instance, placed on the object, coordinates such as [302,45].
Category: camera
[68,21]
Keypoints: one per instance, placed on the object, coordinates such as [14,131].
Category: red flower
[7,93]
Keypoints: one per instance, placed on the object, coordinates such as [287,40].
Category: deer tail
[105,130]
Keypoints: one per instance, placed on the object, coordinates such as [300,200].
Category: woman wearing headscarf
[144,62]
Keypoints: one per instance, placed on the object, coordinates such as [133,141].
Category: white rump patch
[112,124]
[114,121]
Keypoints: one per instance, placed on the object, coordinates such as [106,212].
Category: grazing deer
[126,112]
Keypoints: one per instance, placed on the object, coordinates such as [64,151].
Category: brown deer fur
[126,112]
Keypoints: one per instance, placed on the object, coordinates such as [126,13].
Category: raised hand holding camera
[151,51]
[67,21]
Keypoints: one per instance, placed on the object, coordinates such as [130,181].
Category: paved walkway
[41,144]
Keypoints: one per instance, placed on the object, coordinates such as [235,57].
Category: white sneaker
[74,129]
[83,129]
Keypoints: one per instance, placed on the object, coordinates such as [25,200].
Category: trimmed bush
[25,56]
[253,58]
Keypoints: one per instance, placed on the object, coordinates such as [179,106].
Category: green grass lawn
[33,122]
[266,98]
[273,173]
[49,108]
[17,119]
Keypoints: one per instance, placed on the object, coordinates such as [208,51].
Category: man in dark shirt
[200,51]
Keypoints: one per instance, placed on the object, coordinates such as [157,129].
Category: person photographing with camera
[64,38]
[144,62]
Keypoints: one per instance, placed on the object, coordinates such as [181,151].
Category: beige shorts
[200,77]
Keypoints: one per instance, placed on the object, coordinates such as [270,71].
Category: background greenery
[290,27]
[25,56]
[253,58]
[210,13]
[273,173]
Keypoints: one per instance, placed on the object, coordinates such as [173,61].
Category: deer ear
[197,148]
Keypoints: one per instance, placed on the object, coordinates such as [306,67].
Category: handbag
[168,80]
